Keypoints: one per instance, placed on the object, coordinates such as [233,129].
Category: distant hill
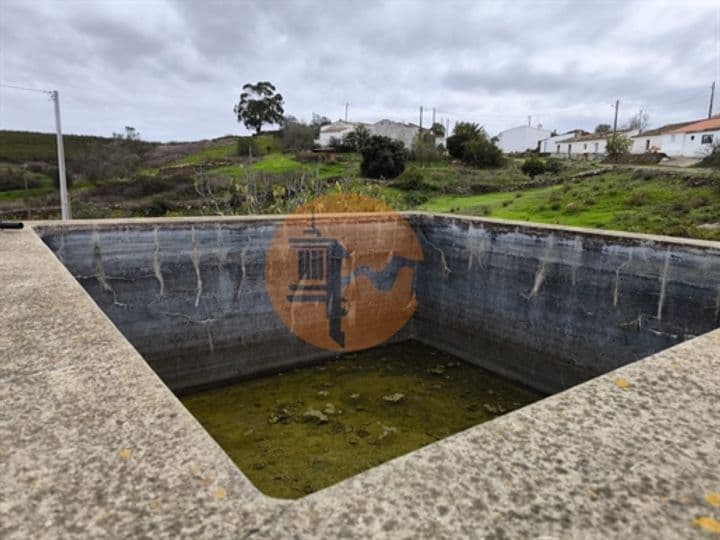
[24,146]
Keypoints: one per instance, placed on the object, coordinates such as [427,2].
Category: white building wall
[520,139]
[550,144]
[564,146]
[643,144]
[693,145]
[396,131]
[336,130]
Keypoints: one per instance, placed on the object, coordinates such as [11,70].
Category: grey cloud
[174,68]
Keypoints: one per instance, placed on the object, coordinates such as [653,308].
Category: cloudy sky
[173,69]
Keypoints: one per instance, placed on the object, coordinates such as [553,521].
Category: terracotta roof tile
[704,125]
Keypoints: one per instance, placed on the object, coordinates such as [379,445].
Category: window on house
[558,148]
[692,137]
[585,146]
[647,144]
[597,147]
[707,139]
[672,138]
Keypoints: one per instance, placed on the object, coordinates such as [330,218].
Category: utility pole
[447,127]
[712,95]
[65,212]
[617,106]
[640,121]
[529,120]
[421,111]
[346,111]
[433,122]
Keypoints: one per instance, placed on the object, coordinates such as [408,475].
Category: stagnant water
[299,431]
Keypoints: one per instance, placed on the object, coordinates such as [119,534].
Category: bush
[102,161]
[412,179]
[481,152]
[470,143]
[617,145]
[424,150]
[13,178]
[55,175]
[413,199]
[296,136]
[258,145]
[383,157]
[342,146]
[533,167]
[712,159]
[554,165]
[455,146]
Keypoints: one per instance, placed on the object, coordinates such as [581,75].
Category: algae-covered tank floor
[299,431]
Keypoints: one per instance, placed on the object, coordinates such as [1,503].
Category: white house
[336,130]
[549,145]
[585,145]
[521,138]
[692,140]
[652,140]
[399,131]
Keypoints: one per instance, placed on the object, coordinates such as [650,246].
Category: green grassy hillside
[119,178]
[620,200]
[24,146]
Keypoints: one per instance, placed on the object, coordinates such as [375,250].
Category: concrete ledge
[94,444]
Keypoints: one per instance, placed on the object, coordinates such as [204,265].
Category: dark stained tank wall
[190,297]
[586,303]
[566,304]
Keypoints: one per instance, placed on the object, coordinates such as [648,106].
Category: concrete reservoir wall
[196,297]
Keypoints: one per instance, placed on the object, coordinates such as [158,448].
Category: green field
[618,200]
[214,152]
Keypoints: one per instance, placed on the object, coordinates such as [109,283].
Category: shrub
[55,174]
[105,160]
[412,179]
[245,146]
[618,145]
[554,165]
[637,198]
[533,167]
[470,143]
[455,146]
[481,152]
[13,178]
[383,157]
[356,139]
[413,199]
[344,145]
[258,145]
[424,149]
[712,159]
[296,136]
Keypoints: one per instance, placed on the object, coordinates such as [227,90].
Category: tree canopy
[602,129]
[259,104]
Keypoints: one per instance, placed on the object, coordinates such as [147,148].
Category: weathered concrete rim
[270,218]
[50,359]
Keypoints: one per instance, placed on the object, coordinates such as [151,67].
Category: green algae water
[299,431]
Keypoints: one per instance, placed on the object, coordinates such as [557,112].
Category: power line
[65,211]
[25,88]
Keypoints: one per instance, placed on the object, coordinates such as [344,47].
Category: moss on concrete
[297,432]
